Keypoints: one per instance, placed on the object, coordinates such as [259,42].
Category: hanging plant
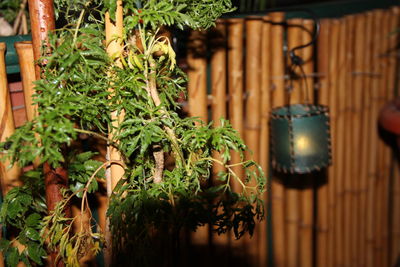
[165,158]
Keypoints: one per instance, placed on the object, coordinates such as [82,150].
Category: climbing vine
[167,158]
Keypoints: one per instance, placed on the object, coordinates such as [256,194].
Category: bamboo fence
[350,214]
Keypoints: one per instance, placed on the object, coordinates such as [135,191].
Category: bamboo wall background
[348,215]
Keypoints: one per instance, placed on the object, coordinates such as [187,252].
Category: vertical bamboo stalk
[266,68]
[41,14]
[27,67]
[385,159]
[218,104]
[292,213]
[380,163]
[253,110]
[235,82]
[197,99]
[332,76]
[42,21]
[341,100]
[236,93]
[115,172]
[197,75]
[278,99]
[9,178]
[395,179]
[365,147]
[372,170]
[357,134]
[323,190]
[307,198]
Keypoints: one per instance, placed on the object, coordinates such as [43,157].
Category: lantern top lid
[298,110]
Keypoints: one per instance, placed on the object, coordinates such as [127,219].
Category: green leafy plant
[167,158]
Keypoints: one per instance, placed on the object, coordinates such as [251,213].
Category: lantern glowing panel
[300,138]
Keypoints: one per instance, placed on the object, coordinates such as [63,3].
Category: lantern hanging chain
[297,61]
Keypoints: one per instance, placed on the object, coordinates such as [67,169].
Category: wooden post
[253,110]
[332,76]
[27,66]
[278,99]
[266,68]
[324,53]
[292,213]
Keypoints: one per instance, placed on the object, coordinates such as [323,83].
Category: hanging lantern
[300,138]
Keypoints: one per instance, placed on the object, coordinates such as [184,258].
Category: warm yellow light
[303,145]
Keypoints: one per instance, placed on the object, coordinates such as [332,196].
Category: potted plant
[125,100]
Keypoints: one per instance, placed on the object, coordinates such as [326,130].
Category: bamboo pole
[27,67]
[219,104]
[380,202]
[42,19]
[341,100]
[306,195]
[197,75]
[41,14]
[236,93]
[278,99]
[385,150]
[363,62]
[197,99]
[332,76]
[266,68]
[253,112]
[395,182]
[372,170]
[9,176]
[114,33]
[357,135]
[292,213]
[235,82]
[324,48]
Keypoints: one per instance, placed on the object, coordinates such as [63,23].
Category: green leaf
[33,220]
[12,257]
[32,234]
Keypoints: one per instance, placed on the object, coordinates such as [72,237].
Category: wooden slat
[278,99]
